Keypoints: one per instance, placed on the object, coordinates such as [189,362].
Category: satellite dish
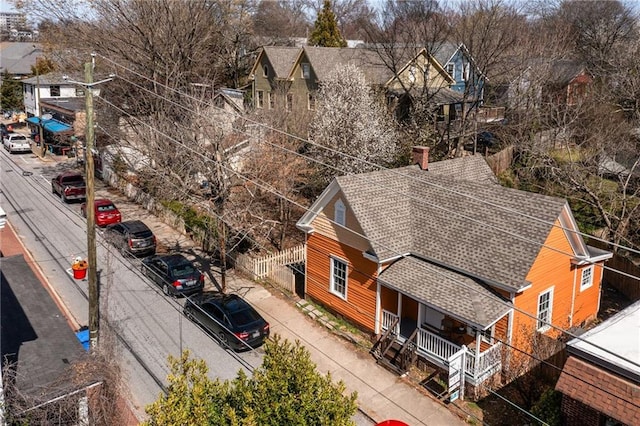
[46,117]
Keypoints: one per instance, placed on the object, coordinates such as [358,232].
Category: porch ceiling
[445,290]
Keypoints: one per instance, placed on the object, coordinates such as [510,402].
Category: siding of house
[435,79]
[360,303]
[502,329]
[553,268]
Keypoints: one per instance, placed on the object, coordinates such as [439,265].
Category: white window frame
[335,279]
[340,213]
[272,100]
[260,99]
[488,335]
[586,271]
[305,70]
[451,70]
[412,73]
[544,315]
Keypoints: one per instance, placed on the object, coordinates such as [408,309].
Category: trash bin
[79,268]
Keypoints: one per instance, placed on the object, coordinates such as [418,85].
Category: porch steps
[389,358]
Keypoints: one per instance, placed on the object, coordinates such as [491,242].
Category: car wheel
[64,197]
[224,341]
[165,289]
[188,314]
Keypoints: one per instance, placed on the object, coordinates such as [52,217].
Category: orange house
[442,254]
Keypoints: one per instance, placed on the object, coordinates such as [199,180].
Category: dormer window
[339,215]
[306,71]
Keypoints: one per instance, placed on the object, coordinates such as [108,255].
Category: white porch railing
[440,350]
[387,319]
[434,345]
[489,362]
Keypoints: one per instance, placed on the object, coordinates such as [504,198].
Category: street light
[94,301]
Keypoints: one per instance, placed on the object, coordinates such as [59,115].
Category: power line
[280,195]
[531,316]
[368,163]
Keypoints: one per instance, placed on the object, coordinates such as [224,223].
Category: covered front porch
[440,313]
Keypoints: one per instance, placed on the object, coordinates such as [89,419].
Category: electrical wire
[334,151]
[531,316]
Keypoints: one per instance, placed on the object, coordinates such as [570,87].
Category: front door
[409,316]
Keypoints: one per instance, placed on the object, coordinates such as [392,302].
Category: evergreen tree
[286,390]
[11,93]
[325,30]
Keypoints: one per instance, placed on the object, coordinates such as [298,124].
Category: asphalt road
[148,327]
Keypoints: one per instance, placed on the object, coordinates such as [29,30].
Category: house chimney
[420,156]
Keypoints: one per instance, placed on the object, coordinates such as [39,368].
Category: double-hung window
[55,91]
[545,304]
[260,99]
[587,278]
[339,277]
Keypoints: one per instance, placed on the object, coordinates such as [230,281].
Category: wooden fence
[626,283]
[274,266]
[501,161]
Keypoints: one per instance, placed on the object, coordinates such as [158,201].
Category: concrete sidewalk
[382,395]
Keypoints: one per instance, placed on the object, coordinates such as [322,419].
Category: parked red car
[106,212]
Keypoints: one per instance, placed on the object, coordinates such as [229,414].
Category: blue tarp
[54,126]
[83,336]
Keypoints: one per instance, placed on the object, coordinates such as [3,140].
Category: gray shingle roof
[448,291]
[281,59]
[325,59]
[462,224]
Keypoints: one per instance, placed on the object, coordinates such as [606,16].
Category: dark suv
[131,237]
[174,273]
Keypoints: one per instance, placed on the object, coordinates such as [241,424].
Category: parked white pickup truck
[16,142]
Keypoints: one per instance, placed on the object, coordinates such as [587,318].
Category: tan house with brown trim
[286,78]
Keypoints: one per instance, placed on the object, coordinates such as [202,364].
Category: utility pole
[92,267]
[94,299]
[43,147]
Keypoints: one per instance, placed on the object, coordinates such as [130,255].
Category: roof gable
[468,226]
[280,58]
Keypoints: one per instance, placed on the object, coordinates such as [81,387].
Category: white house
[51,85]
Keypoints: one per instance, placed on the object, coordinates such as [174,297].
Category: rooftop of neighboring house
[614,344]
[281,59]
[325,59]
[18,57]
[69,104]
[53,78]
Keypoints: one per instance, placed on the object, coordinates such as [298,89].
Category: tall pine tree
[325,30]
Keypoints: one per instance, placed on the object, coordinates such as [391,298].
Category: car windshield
[183,270]
[106,208]
[243,317]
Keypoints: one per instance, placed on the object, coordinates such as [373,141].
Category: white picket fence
[274,266]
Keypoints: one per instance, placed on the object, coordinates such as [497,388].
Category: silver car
[16,142]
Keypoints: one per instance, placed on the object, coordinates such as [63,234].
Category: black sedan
[174,273]
[228,317]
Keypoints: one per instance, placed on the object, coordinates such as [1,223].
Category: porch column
[477,353]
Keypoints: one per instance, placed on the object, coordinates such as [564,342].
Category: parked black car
[231,319]
[174,273]
[131,237]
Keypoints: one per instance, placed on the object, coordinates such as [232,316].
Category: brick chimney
[420,156]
